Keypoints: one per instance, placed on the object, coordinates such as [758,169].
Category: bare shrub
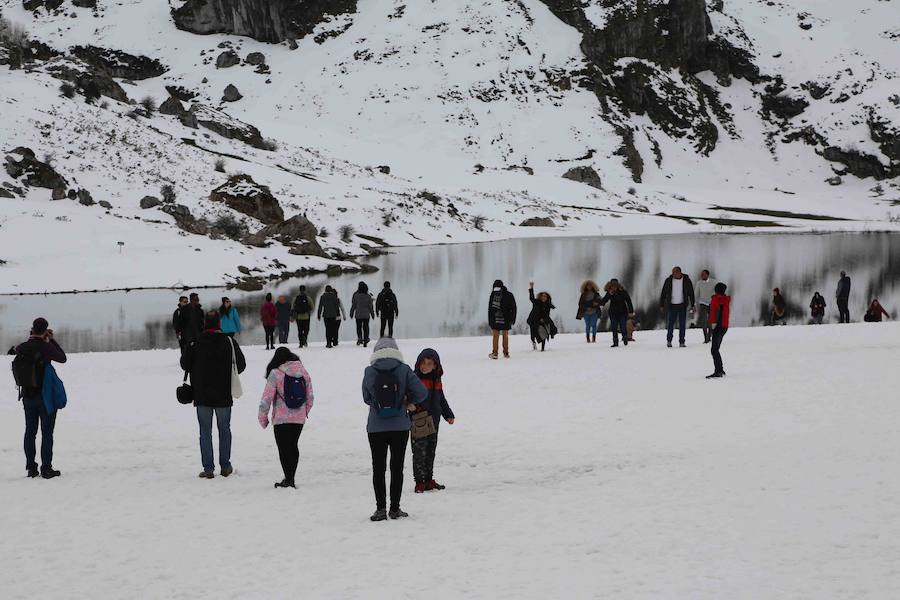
[149,104]
[346,232]
[220,165]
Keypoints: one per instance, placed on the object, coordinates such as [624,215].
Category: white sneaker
[493,355]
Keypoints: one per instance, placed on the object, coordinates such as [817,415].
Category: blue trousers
[677,311]
[223,423]
[618,324]
[36,414]
[590,323]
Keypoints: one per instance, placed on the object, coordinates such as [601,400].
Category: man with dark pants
[386,306]
[719,309]
[302,312]
[209,360]
[176,321]
[28,368]
[677,295]
[190,321]
[843,297]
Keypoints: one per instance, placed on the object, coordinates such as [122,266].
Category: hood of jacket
[384,356]
[433,355]
[293,368]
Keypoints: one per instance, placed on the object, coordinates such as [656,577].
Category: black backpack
[301,305]
[387,304]
[28,372]
[387,402]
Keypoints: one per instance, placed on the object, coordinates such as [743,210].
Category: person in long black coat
[501,316]
[620,310]
[539,315]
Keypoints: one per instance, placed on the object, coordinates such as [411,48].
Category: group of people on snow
[874,313]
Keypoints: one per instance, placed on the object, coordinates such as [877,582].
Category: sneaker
[396,513]
[284,483]
[493,355]
[33,472]
[506,355]
[420,488]
[206,475]
[49,473]
[379,515]
[434,485]
[715,375]
[226,471]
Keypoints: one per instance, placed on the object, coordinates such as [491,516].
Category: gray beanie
[385,342]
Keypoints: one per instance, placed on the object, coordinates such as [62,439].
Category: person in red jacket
[719,308]
[875,312]
[269,315]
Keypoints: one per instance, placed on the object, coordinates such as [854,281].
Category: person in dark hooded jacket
[539,315]
[387,307]
[620,309]
[429,372]
[362,308]
[501,316]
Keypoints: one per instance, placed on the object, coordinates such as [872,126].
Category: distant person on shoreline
[37,383]
[817,309]
[388,308]
[229,319]
[331,310]
[501,317]
[362,308]
[176,320]
[268,314]
[210,361]
[704,290]
[620,310]
[302,310]
[539,321]
[283,318]
[875,312]
[676,297]
[191,320]
[589,309]
[843,297]
[719,309]
[288,396]
[779,308]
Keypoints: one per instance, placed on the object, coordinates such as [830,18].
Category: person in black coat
[191,320]
[501,316]
[676,296]
[176,320]
[539,315]
[620,310]
[387,308]
[208,360]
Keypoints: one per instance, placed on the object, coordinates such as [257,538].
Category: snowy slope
[485,104]
[582,472]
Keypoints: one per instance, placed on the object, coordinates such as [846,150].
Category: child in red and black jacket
[719,308]
[429,372]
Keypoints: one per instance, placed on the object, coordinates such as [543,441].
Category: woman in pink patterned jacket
[288,396]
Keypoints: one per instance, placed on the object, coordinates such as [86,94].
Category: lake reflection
[443,290]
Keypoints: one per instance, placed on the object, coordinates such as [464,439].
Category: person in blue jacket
[389,387]
[229,319]
[429,372]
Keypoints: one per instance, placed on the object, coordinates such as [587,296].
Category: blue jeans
[677,311]
[618,324]
[590,323]
[223,423]
[36,414]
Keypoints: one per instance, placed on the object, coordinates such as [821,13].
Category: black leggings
[379,444]
[387,322]
[270,335]
[362,330]
[287,437]
[717,334]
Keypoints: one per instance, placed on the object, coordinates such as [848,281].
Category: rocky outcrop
[227,59]
[857,163]
[584,174]
[183,218]
[298,233]
[21,163]
[90,81]
[226,125]
[172,106]
[538,222]
[256,59]
[231,94]
[116,63]
[246,196]
[148,202]
[264,20]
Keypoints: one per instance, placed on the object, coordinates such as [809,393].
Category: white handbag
[236,389]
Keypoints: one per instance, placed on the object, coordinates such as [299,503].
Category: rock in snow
[246,196]
[231,94]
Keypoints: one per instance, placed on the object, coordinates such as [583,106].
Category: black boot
[380,514]
[284,483]
[49,473]
[33,472]
[396,513]
[715,375]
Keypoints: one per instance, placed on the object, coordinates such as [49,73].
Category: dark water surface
[443,290]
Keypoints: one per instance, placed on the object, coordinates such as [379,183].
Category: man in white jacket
[704,288]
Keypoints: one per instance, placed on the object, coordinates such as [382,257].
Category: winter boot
[420,487]
[49,473]
[682,345]
[715,375]
[379,515]
[284,483]
[226,471]
[33,472]
[588,337]
[669,344]
[594,338]
[506,355]
[434,485]
[396,513]
[206,475]
[615,345]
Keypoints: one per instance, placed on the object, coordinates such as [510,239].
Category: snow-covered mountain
[384,121]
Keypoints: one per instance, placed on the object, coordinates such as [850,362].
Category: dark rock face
[264,20]
[85,198]
[120,64]
[5,193]
[172,106]
[148,202]
[538,222]
[183,94]
[105,204]
[887,138]
[256,59]
[858,163]
[298,233]
[584,174]
[21,162]
[85,3]
[229,58]
[231,94]
[93,82]
[246,196]
[226,125]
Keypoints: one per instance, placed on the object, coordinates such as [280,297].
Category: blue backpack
[294,392]
[387,401]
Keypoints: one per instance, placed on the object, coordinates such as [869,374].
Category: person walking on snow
[191,320]
[176,321]
[332,311]
[269,316]
[389,388]
[539,322]
[719,309]
[283,318]
[589,309]
[362,307]
[501,317]
[386,305]
[36,380]
[817,308]
[620,310]
[704,291]
[288,396]
[229,319]
[779,308]
[210,362]
[676,297]
[426,420]
[843,297]
[302,310]
[875,312]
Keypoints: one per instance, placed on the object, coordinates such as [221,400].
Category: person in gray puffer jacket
[388,428]
[362,307]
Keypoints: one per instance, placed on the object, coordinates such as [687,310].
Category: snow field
[580,472]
